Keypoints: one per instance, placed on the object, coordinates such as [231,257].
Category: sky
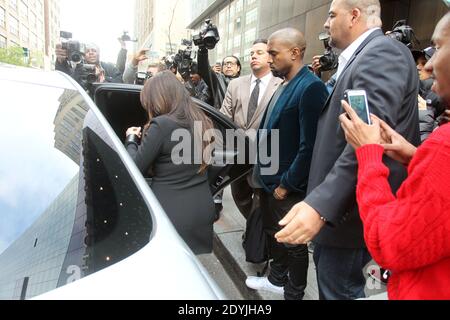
[100,22]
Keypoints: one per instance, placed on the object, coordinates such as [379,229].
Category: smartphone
[357,99]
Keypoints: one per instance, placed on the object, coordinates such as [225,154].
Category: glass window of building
[2,42]
[231,29]
[237,41]
[250,36]
[13,4]
[13,25]
[2,17]
[239,6]
[250,2]
[251,16]
[24,34]
[23,10]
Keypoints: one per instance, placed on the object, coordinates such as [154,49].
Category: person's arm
[122,60]
[207,74]
[150,148]
[129,76]
[386,88]
[227,105]
[412,230]
[309,110]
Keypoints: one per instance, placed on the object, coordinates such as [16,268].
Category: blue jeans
[340,272]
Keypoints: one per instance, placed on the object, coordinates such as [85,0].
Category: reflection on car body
[79,220]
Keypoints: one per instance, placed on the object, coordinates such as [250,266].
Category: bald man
[293,114]
[385,69]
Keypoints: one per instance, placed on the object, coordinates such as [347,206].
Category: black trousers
[244,196]
[289,267]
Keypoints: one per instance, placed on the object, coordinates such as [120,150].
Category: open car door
[121,106]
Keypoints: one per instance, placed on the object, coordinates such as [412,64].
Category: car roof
[35,76]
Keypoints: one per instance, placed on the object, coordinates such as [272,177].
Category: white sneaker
[262,283]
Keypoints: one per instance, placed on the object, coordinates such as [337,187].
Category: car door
[121,106]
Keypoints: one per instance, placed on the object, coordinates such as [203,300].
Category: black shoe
[219,209]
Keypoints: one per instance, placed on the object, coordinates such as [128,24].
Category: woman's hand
[395,146]
[136,131]
[357,132]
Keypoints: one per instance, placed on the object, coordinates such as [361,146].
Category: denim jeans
[340,272]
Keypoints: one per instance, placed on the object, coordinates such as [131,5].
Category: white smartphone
[357,99]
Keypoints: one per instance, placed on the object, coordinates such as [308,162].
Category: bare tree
[170,25]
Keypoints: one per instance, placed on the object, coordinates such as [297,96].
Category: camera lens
[76,57]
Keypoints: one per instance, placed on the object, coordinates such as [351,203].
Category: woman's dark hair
[164,94]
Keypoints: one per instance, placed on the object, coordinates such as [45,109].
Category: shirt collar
[264,80]
[351,49]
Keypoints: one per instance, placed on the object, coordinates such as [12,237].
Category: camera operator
[231,66]
[196,86]
[129,76]
[88,69]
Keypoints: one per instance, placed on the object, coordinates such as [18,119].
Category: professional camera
[87,73]
[329,60]
[183,59]
[208,36]
[142,77]
[125,37]
[75,49]
[403,33]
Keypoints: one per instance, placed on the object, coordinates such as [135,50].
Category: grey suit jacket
[386,70]
[235,105]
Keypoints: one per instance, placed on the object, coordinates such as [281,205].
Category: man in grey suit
[329,214]
[245,102]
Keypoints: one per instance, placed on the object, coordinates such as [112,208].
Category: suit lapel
[372,36]
[245,94]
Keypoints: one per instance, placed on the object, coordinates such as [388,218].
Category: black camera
[88,73]
[403,33]
[75,49]
[142,77]
[182,61]
[208,36]
[329,61]
[125,37]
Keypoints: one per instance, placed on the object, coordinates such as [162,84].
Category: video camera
[142,77]
[208,36]
[330,60]
[183,60]
[75,49]
[125,37]
[403,33]
[75,53]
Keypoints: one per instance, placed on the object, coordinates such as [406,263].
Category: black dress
[183,193]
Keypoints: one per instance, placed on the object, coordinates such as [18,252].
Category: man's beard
[278,73]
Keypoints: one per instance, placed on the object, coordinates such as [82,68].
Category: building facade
[242,21]
[33,25]
[161,25]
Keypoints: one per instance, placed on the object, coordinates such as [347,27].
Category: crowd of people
[357,191]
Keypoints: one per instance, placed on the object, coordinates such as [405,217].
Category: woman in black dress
[182,189]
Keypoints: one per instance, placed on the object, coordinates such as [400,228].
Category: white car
[79,221]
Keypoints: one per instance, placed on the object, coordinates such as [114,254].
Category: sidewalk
[228,249]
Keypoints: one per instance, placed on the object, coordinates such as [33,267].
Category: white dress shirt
[348,53]
[262,86]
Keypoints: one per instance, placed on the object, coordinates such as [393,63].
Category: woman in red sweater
[409,233]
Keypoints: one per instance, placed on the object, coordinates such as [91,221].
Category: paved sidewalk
[228,249]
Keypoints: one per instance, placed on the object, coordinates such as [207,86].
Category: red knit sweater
[409,234]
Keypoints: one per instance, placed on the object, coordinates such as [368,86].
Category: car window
[68,203]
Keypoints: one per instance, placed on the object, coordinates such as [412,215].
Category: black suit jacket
[386,70]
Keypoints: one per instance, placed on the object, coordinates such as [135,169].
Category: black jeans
[289,267]
[244,196]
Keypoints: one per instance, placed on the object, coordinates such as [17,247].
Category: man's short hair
[258,41]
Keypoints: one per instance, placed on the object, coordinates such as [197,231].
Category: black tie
[253,104]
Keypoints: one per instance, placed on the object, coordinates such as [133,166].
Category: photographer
[86,69]
[231,66]
[131,72]
[196,86]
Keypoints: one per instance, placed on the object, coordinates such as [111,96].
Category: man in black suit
[329,214]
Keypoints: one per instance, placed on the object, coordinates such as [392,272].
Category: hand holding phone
[357,99]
